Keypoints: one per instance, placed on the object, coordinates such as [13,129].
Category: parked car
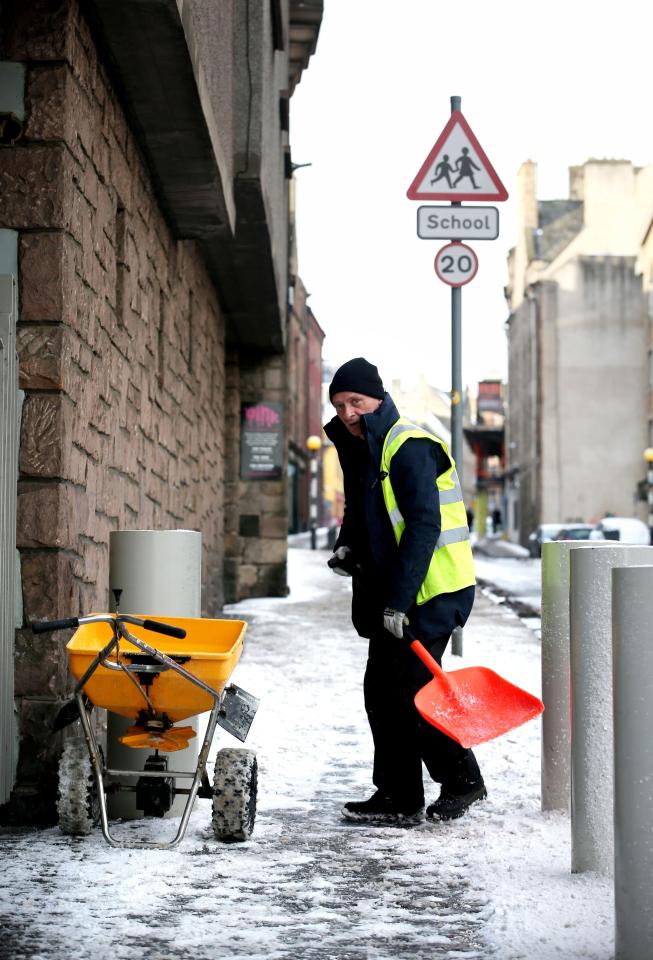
[542,534]
[625,530]
[546,532]
[580,531]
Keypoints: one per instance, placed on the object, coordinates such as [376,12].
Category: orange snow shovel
[474,704]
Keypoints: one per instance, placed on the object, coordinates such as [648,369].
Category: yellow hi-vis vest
[452,566]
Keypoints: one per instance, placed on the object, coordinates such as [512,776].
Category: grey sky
[556,83]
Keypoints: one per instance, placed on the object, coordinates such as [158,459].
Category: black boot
[450,805]
[382,809]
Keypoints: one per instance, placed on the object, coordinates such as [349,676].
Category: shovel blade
[237,711]
[475,704]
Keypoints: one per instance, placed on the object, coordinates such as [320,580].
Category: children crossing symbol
[457,168]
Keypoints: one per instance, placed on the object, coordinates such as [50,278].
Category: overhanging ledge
[145,46]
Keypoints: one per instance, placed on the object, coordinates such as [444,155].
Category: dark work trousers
[402,739]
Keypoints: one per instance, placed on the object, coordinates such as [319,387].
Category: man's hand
[394,621]
[342,561]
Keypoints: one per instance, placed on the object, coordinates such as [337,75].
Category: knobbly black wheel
[78,803]
[235,783]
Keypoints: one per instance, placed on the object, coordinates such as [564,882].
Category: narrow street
[308,885]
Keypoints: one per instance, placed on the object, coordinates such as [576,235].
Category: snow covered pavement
[309,886]
[517,578]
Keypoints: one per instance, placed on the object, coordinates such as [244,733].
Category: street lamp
[648,456]
[313,444]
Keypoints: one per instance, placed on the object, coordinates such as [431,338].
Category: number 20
[463,263]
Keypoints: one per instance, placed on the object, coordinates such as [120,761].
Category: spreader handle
[166,628]
[44,626]
[426,658]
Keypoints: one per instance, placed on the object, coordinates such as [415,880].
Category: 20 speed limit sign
[456,264]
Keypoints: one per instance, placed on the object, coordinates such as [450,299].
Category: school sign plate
[457,223]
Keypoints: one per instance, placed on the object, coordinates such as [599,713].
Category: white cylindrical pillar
[160,574]
[556,719]
[590,619]
[632,616]
[313,498]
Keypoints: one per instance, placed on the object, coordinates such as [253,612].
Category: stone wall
[524,400]
[122,358]
[594,385]
[256,527]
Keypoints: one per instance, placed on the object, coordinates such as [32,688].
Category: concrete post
[556,719]
[590,618]
[313,500]
[159,573]
[313,444]
[632,615]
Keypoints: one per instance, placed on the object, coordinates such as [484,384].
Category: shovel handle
[426,658]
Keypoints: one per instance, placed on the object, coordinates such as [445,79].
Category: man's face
[351,406]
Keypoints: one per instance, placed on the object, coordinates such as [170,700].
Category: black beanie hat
[359,376]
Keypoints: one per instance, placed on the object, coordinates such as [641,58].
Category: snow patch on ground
[309,886]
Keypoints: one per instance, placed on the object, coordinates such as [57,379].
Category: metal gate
[8,480]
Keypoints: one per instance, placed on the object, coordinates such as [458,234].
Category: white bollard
[632,616]
[590,618]
[160,574]
[556,719]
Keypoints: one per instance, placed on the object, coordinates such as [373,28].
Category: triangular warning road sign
[457,168]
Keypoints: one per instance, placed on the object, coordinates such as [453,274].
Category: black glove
[343,563]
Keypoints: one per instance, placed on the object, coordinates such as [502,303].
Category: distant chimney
[527,186]
[577,183]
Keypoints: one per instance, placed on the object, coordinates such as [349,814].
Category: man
[404,540]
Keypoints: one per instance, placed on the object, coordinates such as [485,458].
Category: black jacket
[391,573]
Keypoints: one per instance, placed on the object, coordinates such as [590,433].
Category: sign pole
[458,154]
[456,395]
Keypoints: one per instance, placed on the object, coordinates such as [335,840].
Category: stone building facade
[145,206]
[576,342]
[305,339]
[645,269]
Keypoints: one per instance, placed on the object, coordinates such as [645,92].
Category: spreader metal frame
[235,713]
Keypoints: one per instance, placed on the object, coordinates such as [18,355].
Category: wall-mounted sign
[261,441]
